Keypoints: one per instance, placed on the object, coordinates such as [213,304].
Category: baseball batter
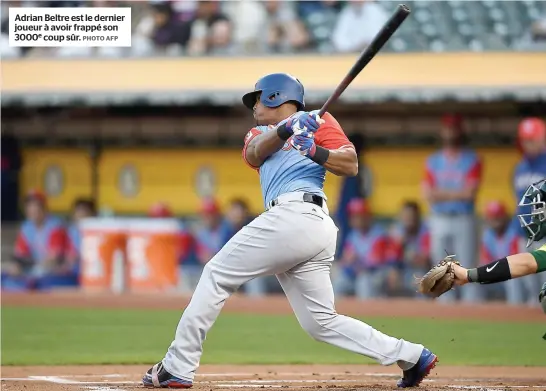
[294,238]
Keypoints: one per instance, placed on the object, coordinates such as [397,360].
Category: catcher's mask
[534,202]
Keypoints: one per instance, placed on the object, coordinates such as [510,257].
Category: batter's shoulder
[330,120]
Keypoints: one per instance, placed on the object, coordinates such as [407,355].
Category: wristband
[283,133]
[491,273]
[320,156]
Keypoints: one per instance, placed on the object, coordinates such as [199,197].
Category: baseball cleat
[158,377]
[415,375]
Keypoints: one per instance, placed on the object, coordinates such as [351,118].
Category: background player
[452,180]
[517,265]
[295,238]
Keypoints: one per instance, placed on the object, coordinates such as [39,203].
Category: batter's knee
[221,279]
[317,325]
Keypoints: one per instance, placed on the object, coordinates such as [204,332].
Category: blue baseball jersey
[287,170]
[446,172]
[41,243]
[495,246]
[527,172]
[368,250]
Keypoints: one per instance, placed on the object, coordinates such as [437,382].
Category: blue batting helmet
[276,89]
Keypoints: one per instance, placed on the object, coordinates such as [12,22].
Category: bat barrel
[400,14]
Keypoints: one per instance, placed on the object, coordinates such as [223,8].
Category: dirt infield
[292,377]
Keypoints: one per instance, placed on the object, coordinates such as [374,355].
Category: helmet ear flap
[273,96]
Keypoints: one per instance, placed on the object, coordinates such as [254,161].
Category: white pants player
[296,241]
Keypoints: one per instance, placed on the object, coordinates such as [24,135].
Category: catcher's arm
[513,266]
[442,277]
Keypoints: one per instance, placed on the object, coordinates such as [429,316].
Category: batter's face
[264,115]
[272,115]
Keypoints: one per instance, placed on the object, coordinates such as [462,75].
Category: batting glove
[305,122]
[304,143]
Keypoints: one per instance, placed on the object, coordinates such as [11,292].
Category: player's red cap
[454,121]
[495,209]
[160,209]
[532,129]
[210,206]
[36,195]
[358,206]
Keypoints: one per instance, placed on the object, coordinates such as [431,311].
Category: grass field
[54,336]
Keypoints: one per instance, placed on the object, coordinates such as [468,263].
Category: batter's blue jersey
[287,170]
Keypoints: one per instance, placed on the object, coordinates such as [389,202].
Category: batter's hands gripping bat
[401,13]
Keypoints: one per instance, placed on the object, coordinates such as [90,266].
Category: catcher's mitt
[439,279]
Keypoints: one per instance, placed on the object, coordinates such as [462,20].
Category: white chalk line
[231,374]
[52,379]
[110,375]
[61,380]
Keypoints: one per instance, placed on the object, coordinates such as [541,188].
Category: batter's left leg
[309,291]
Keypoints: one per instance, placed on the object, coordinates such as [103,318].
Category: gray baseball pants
[296,241]
[457,235]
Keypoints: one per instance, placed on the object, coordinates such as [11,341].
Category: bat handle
[324,107]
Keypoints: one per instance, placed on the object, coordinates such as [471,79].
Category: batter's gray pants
[296,241]
[457,235]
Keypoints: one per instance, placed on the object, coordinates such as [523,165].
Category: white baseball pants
[296,241]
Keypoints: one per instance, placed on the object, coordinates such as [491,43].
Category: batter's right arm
[261,146]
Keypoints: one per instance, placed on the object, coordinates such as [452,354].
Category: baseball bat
[400,14]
